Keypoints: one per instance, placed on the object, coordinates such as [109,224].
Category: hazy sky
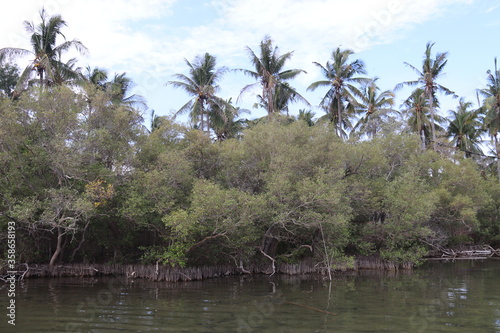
[149,39]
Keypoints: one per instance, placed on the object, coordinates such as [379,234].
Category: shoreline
[167,273]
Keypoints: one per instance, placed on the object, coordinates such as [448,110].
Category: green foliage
[216,216]
[85,181]
[9,75]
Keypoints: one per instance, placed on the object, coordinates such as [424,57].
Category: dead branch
[270,258]
[223,234]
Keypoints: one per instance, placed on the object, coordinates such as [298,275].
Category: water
[463,296]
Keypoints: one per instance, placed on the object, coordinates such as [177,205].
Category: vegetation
[85,181]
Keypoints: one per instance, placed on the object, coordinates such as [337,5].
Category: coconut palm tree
[341,76]
[373,105]
[284,94]
[417,111]
[465,128]
[201,85]
[224,122]
[432,70]
[47,62]
[96,77]
[306,116]
[119,88]
[271,76]
[491,109]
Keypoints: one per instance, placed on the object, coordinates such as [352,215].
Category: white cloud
[114,32]
[136,36]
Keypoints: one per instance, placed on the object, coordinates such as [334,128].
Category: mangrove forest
[90,175]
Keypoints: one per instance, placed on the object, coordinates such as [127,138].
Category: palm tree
[284,94]
[417,110]
[271,76]
[47,62]
[306,116]
[66,73]
[340,75]
[119,89]
[465,128]
[373,104]
[156,122]
[223,119]
[201,85]
[491,109]
[97,77]
[432,69]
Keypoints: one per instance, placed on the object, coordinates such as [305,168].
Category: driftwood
[472,252]
[18,275]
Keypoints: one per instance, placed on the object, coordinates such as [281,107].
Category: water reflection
[439,297]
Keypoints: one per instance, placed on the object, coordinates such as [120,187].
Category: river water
[461,296]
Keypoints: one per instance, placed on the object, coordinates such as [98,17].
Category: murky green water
[440,297]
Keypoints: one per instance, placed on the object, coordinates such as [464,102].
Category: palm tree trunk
[339,105]
[208,123]
[497,150]
[41,77]
[202,121]
[270,105]
[420,128]
[433,129]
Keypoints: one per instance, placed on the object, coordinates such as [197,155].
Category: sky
[149,40]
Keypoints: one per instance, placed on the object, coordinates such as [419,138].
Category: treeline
[85,181]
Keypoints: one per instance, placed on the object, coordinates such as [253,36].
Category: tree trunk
[41,77]
[339,105]
[208,123]
[433,129]
[420,128]
[497,150]
[202,124]
[422,137]
[60,235]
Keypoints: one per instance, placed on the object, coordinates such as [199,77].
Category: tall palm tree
[491,109]
[340,76]
[47,62]
[373,105]
[284,94]
[465,128]
[201,85]
[271,76]
[432,69]
[417,110]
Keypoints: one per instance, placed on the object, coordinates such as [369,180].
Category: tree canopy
[85,180]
